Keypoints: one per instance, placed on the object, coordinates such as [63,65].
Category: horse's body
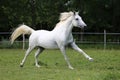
[59,37]
[50,39]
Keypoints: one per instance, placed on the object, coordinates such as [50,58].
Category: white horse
[59,37]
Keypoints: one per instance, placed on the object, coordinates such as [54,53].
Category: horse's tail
[22,29]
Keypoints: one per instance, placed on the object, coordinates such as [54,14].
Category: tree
[116,15]
[44,14]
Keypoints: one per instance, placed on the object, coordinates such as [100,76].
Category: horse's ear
[74,12]
[77,12]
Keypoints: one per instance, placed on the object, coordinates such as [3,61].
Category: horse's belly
[47,42]
[48,45]
[43,39]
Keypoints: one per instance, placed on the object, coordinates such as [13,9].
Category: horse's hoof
[38,66]
[21,65]
[91,59]
[70,67]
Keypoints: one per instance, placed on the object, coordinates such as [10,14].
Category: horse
[57,38]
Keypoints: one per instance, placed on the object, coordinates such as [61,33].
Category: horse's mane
[65,15]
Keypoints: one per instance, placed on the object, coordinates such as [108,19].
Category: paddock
[106,65]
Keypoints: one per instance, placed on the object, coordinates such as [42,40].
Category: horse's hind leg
[36,56]
[26,54]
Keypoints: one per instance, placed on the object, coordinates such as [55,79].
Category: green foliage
[43,14]
[105,66]
[5,44]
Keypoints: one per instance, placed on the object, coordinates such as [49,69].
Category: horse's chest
[63,39]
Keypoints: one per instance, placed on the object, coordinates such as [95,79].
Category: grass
[106,65]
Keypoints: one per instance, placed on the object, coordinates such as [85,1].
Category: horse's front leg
[65,56]
[75,47]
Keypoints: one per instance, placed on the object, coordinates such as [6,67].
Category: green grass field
[106,65]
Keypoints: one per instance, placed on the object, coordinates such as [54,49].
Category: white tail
[22,29]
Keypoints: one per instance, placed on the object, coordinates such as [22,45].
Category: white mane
[65,15]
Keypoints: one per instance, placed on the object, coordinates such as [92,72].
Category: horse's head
[77,21]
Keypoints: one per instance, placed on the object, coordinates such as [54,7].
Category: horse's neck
[68,28]
[64,26]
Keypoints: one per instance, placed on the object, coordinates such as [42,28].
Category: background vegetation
[44,14]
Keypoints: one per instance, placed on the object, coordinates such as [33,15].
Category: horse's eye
[76,19]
